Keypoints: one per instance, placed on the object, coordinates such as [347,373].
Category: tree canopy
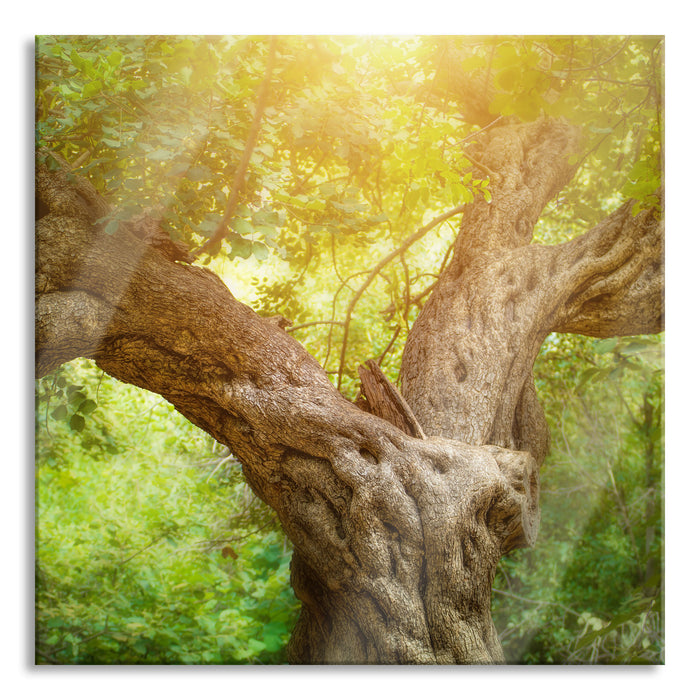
[363,144]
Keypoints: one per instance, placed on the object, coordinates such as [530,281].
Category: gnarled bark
[396,538]
[467,364]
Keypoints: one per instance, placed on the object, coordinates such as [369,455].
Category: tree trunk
[396,536]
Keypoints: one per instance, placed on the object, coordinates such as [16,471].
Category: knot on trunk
[516,510]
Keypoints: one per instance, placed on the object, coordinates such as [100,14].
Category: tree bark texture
[396,535]
[481,329]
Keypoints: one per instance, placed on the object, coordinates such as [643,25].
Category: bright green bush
[150,549]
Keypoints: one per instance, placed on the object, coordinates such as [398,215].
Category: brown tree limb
[614,275]
[467,363]
[396,539]
[528,165]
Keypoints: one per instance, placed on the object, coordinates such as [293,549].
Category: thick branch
[613,276]
[530,162]
[396,539]
[467,364]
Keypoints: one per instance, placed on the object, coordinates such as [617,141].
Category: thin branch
[469,137]
[536,602]
[597,145]
[210,544]
[221,462]
[153,543]
[343,284]
[479,165]
[242,168]
[407,287]
[391,309]
[389,346]
[377,269]
[48,657]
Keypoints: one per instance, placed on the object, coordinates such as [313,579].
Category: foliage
[592,590]
[150,549]
[363,140]
[363,146]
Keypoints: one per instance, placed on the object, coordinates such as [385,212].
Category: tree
[156,154]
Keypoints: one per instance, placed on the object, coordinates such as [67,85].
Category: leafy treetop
[359,143]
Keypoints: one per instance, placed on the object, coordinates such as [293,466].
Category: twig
[344,283]
[479,165]
[407,288]
[391,342]
[597,145]
[469,137]
[48,657]
[377,269]
[153,543]
[536,602]
[221,462]
[391,309]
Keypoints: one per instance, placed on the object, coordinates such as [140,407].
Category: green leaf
[256,646]
[115,58]
[586,376]
[76,59]
[87,407]
[178,170]
[600,130]
[272,643]
[240,247]
[508,78]
[77,398]
[56,622]
[242,226]
[502,103]
[92,89]
[59,412]
[260,250]
[603,346]
[637,346]
[160,154]
[198,173]
[77,422]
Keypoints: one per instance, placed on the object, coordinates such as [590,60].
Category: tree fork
[400,536]
[467,363]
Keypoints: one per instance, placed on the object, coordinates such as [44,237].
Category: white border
[360,17]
